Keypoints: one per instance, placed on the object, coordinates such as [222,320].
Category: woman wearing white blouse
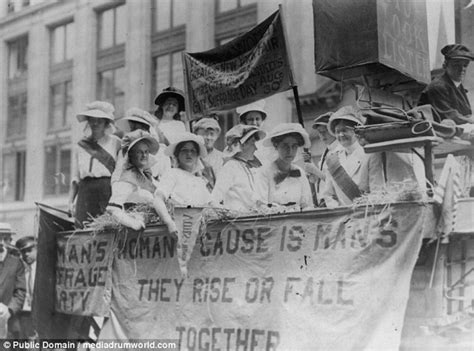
[235,188]
[184,185]
[96,156]
[282,182]
[135,184]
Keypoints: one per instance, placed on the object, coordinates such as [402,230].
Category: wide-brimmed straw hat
[171,92]
[131,139]
[97,109]
[346,113]
[185,137]
[258,106]
[6,229]
[242,133]
[134,114]
[207,123]
[288,128]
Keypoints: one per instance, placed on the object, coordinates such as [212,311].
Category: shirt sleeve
[329,192]
[19,291]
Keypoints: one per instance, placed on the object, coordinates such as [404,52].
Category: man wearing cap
[210,130]
[28,250]
[320,124]
[12,285]
[447,94]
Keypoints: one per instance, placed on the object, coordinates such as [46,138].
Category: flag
[253,66]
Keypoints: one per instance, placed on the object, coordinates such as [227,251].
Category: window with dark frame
[57,170]
[112,27]
[168,14]
[13,176]
[62,43]
[110,87]
[228,5]
[18,57]
[167,71]
[16,121]
[60,106]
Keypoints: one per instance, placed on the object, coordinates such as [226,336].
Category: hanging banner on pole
[253,66]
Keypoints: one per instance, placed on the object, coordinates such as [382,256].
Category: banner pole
[296,96]
[187,111]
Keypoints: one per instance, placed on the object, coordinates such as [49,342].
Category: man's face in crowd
[4,239]
[253,118]
[29,254]
[456,69]
[210,136]
[324,134]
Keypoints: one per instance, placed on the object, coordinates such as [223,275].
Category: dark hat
[25,243]
[171,92]
[457,51]
[322,120]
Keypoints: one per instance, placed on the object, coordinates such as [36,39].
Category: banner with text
[83,274]
[251,67]
[320,280]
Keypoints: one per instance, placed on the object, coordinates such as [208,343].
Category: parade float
[392,271]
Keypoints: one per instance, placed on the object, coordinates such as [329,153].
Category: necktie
[281,176]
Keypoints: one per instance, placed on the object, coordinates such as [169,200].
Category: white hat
[131,139]
[135,114]
[206,123]
[184,137]
[243,133]
[288,128]
[347,113]
[6,229]
[97,109]
[258,106]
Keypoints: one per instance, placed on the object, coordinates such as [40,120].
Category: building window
[16,121]
[18,57]
[168,71]
[112,27]
[168,14]
[62,43]
[110,88]
[227,5]
[57,170]
[13,176]
[60,105]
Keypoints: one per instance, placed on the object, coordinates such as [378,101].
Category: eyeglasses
[28,249]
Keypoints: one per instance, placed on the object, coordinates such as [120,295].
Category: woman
[138,119]
[235,188]
[136,184]
[95,162]
[281,181]
[170,108]
[350,172]
[184,185]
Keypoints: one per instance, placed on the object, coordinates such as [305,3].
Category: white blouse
[290,190]
[90,167]
[236,186]
[183,188]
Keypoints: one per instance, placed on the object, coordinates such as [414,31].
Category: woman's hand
[172,228]
[71,207]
